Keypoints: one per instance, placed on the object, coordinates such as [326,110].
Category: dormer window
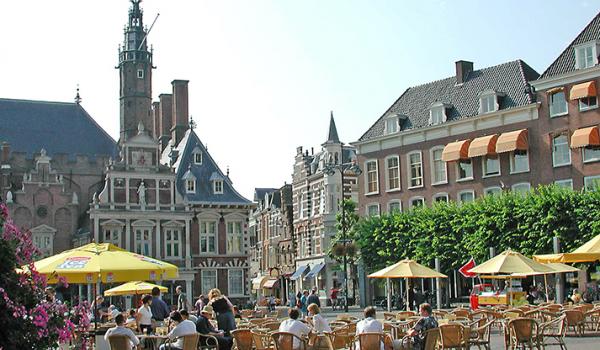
[198,158]
[488,101]
[586,55]
[190,186]
[391,125]
[437,113]
[218,186]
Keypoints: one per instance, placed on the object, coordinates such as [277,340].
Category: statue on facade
[9,197]
[142,194]
[74,198]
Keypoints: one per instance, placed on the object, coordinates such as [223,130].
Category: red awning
[583,90]
[456,150]
[512,141]
[585,137]
[482,146]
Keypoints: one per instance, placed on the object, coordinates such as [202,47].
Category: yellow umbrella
[510,262]
[134,288]
[589,252]
[103,262]
[405,269]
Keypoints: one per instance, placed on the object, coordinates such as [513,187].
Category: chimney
[156,119]
[180,115]
[5,152]
[166,116]
[463,68]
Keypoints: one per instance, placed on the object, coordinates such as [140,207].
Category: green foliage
[346,219]
[454,232]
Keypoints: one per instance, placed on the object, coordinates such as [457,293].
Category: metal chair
[286,340]
[242,339]
[119,342]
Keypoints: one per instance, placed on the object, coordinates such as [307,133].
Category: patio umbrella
[134,288]
[557,268]
[405,269]
[589,252]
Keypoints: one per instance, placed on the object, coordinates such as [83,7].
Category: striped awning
[299,272]
[512,141]
[315,271]
[456,150]
[583,90]
[482,146]
[271,283]
[585,137]
[258,282]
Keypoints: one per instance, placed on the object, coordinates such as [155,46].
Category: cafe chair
[454,336]
[119,342]
[339,337]
[272,326]
[286,340]
[322,342]
[242,339]
[523,332]
[370,340]
[432,338]
[576,321]
[553,332]
[480,335]
[262,340]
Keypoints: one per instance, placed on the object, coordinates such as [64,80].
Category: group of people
[181,322]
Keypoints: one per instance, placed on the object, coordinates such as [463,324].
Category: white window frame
[437,114]
[394,201]
[564,183]
[410,167]
[484,169]
[198,154]
[203,234]
[459,195]
[140,74]
[492,190]
[512,163]
[590,179]
[463,179]
[172,242]
[554,153]
[394,120]
[433,169]
[584,152]
[550,103]
[230,291]
[190,186]
[412,199]
[373,205]
[142,229]
[484,102]
[233,235]
[387,173]
[582,62]
[301,206]
[218,187]
[521,184]
[367,171]
[440,195]
[216,279]
[586,107]
[112,230]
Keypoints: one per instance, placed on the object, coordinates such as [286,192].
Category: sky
[265,74]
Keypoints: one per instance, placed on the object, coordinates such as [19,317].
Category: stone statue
[95,198]
[142,194]
[74,198]
[9,197]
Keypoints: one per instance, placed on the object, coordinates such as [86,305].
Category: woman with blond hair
[224,310]
[319,323]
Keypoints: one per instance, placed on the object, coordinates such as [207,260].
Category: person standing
[224,309]
[314,297]
[200,303]
[304,302]
[334,298]
[120,329]
[182,302]
[160,309]
[144,315]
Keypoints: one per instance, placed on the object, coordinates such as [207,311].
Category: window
[234,237]
[487,104]
[143,243]
[140,74]
[591,154]
[198,158]
[208,233]
[557,104]
[440,175]
[415,174]
[235,279]
[561,154]
[522,187]
[440,198]
[492,191]
[112,235]
[466,196]
[417,202]
[591,182]
[372,177]
[190,186]
[585,55]
[172,243]
[301,206]
[589,102]
[567,183]
[208,280]
[373,209]
[519,161]
[491,165]
[464,168]
[394,207]
[391,125]
[322,200]
[437,115]
[393,173]
[43,238]
[218,186]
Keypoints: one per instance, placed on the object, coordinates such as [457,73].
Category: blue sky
[265,74]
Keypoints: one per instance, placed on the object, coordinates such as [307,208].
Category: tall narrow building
[135,70]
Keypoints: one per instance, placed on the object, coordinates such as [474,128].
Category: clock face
[42,211]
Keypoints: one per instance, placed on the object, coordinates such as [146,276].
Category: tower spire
[333,134]
[77,96]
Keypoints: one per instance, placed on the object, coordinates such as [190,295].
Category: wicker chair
[453,336]
[553,330]
[480,335]
[286,340]
[575,320]
[273,326]
[389,316]
[404,315]
[262,341]
[242,339]
[119,342]
[461,313]
[202,341]
[592,319]
[322,342]
[370,340]
[432,338]
[523,332]
[339,337]
[247,313]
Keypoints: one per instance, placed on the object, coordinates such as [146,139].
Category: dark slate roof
[58,127]
[509,78]
[259,193]
[565,63]
[332,136]
[203,173]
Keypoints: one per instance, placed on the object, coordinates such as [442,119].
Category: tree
[346,219]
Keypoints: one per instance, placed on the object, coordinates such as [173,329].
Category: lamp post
[330,169]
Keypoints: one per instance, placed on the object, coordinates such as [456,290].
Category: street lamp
[329,170]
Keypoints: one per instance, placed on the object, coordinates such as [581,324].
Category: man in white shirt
[292,325]
[120,329]
[182,328]
[368,325]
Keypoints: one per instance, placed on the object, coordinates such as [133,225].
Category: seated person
[120,329]
[187,316]
[368,325]
[113,312]
[319,323]
[182,328]
[131,319]
[292,325]
[204,326]
[575,297]
[426,322]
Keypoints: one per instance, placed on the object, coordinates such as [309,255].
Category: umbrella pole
[546,285]
[509,292]
[389,295]
[407,295]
